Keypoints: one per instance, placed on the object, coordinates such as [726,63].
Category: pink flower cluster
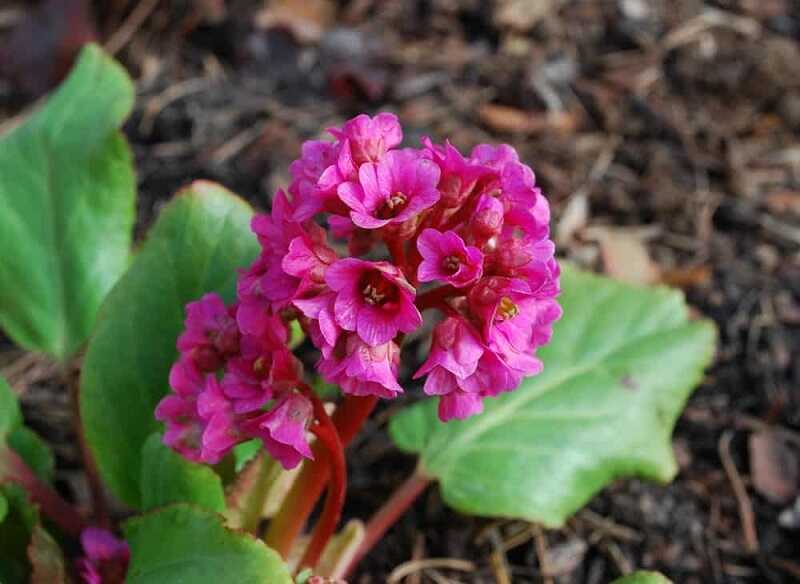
[106,557]
[405,231]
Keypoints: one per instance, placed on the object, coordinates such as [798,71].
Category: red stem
[100,511]
[334,501]
[304,494]
[52,505]
[397,249]
[434,298]
[403,497]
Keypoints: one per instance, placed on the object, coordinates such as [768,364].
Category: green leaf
[10,415]
[67,194]
[34,451]
[245,452]
[196,246]
[15,533]
[25,442]
[621,364]
[643,578]
[167,478]
[182,544]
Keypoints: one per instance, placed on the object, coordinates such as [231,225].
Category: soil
[672,124]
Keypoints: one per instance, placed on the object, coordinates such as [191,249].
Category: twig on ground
[135,19]
[742,499]
[410,567]
[498,558]
[609,527]
[540,540]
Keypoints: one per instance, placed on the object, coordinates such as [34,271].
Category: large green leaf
[621,364]
[196,246]
[34,451]
[182,544]
[67,193]
[24,441]
[167,478]
[642,578]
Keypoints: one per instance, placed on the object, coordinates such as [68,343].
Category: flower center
[261,367]
[392,206]
[376,290]
[451,264]
[507,309]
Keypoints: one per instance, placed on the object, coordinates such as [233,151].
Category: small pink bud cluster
[106,557]
[408,230]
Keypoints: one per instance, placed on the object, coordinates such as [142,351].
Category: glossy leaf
[621,364]
[642,578]
[66,208]
[167,478]
[181,544]
[196,246]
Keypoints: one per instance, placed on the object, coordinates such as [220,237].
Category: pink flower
[494,157]
[320,308]
[265,285]
[462,368]
[370,138]
[512,316]
[198,417]
[395,190]
[283,429]
[361,369]
[459,176]
[106,557]
[525,205]
[360,140]
[447,258]
[307,196]
[459,404]
[455,352]
[184,429]
[479,225]
[210,333]
[307,259]
[487,220]
[185,378]
[263,369]
[220,430]
[373,299]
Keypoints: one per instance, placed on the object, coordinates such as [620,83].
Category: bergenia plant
[385,269]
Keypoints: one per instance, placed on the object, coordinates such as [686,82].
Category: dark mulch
[676,119]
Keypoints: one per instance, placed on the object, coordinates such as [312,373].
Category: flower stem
[388,514]
[433,298]
[290,519]
[267,474]
[64,515]
[334,501]
[397,249]
[100,511]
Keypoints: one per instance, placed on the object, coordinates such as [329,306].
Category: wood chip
[625,256]
[503,118]
[774,467]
